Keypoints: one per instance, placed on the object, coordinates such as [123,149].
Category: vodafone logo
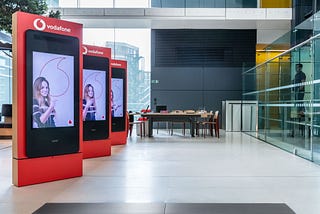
[115,64]
[39,24]
[95,52]
[85,50]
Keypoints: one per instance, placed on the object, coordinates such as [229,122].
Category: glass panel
[261,81]
[205,3]
[316,93]
[100,3]
[132,4]
[5,78]
[68,3]
[286,93]
[53,3]
[250,104]
[168,3]
[132,45]
[241,4]
[96,3]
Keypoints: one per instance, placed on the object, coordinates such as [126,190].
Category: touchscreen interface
[94,95]
[53,90]
[117,97]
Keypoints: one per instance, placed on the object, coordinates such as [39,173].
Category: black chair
[6,112]
[6,126]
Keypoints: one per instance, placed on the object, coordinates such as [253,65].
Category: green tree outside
[8,7]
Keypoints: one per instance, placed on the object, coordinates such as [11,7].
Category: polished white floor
[233,169]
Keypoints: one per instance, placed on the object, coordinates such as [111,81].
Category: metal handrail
[283,53]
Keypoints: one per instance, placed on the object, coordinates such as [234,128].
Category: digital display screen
[52,94]
[53,90]
[94,95]
[117,97]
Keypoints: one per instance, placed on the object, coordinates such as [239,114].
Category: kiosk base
[119,138]
[96,148]
[38,170]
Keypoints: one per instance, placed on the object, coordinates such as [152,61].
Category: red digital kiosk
[96,108]
[118,99]
[46,99]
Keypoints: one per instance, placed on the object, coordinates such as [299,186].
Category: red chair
[212,123]
[141,124]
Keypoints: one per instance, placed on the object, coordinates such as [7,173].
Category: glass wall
[289,99]
[5,77]
[132,45]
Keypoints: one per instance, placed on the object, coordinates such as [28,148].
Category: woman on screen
[43,105]
[89,103]
[114,106]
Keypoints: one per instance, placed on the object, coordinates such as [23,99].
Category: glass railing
[289,100]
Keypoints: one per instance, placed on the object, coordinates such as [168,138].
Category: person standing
[300,77]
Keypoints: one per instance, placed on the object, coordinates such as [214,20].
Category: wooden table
[172,117]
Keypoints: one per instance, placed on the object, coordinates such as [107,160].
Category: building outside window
[138,78]
[132,45]
[5,70]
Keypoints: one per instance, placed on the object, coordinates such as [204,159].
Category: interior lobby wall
[192,69]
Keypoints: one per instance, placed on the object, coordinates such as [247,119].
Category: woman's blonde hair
[37,85]
[86,91]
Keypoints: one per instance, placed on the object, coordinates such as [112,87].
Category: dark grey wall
[199,68]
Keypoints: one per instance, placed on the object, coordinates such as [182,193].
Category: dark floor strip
[165,208]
